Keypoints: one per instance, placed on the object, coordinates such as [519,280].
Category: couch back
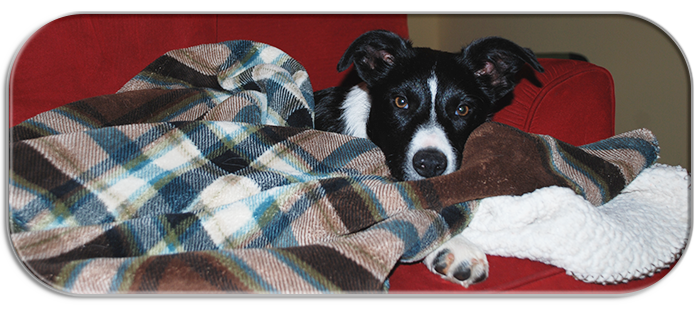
[82,56]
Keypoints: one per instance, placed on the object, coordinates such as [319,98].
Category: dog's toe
[480,278]
[459,261]
[442,262]
[462,272]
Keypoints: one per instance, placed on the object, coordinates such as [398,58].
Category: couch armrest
[573,101]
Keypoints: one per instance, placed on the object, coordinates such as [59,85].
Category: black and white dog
[419,106]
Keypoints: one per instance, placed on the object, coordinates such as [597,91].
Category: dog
[419,106]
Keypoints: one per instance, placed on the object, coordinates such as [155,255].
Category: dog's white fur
[356,111]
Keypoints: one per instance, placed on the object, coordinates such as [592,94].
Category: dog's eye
[462,110]
[401,102]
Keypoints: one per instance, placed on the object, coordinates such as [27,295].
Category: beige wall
[652,84]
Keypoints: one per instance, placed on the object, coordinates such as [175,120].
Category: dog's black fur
[417,104]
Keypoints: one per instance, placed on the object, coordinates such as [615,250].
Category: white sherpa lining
[640,231]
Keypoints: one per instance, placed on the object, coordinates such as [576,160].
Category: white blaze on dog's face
[430,140]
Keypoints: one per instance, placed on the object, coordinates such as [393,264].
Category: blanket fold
[203,174]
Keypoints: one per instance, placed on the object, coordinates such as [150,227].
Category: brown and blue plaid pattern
[203,175]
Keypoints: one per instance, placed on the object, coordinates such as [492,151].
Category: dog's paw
[459,261]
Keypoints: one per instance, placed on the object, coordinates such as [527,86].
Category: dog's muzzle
[429,162]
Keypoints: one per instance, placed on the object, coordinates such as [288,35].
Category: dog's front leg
[460,261]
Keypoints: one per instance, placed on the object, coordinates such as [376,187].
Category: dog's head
[425,103]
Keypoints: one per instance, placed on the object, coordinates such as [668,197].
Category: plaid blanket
[203,174]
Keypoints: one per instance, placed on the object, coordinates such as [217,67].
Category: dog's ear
[374,54]
[495,61]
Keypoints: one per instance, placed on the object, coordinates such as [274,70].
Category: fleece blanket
[203,175]
[640,231]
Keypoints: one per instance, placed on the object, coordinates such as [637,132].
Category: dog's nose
[429,162]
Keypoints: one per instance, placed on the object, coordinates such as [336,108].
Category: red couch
[572,100]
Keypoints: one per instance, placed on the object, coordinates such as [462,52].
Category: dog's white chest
[356,111]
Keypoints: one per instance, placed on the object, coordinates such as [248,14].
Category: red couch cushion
[83,56]
[573,101]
